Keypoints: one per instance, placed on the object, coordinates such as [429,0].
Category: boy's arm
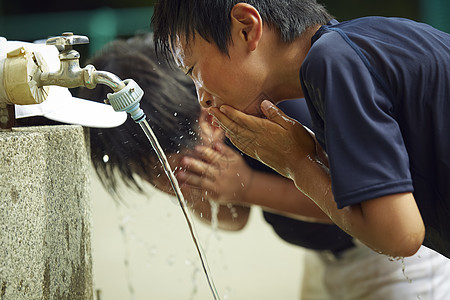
[225,176]
[280,195]
[391,224]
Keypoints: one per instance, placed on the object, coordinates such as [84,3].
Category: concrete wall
[45,221]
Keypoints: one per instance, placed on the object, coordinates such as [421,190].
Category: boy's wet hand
[278,141]
[219,171]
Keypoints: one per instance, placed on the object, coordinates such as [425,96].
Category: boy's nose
[205,99]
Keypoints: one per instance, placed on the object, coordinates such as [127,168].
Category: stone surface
[45,221]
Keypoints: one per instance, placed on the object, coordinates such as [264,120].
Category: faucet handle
[67,40]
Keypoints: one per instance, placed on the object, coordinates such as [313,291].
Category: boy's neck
[285,60]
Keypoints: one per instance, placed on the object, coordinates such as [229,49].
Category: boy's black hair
[169,102]
[211,19]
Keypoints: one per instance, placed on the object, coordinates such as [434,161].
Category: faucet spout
[109,79]
[70,75]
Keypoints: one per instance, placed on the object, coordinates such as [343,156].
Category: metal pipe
[70,74]
[109,79]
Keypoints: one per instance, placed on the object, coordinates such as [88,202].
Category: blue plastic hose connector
[127,99]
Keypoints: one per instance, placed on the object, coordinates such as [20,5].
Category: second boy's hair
[169,102]
[211,19]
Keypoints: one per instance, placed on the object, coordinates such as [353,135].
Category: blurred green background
[104,20]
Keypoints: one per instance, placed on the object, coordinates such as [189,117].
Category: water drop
[153,250]
[214,215]
[171,260]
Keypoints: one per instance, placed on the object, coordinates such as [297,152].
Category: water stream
[174,182]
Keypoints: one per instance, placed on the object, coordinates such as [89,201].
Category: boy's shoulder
[336,42]
[336,37]
[328,48]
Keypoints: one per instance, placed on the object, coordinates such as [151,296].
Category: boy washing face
[377,90]
[209,170]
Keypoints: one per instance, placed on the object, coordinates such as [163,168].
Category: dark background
[343,9]
[104,20]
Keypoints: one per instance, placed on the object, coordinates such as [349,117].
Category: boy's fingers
[273,113]
[224,149]
[200,168]
[192,179]
[198,182]
[218,135]
[227,118]
[239,118]
[214,155]
[207,153]
[237,121]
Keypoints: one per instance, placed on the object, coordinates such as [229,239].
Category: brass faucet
[70,74]
[27,79]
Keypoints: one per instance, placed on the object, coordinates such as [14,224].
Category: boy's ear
[247,23]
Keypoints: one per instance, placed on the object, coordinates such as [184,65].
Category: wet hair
[169,102]
[211,19]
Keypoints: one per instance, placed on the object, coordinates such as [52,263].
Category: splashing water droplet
[214,215]
[171,260]
[403,270]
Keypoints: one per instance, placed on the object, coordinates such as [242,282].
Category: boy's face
[236,79]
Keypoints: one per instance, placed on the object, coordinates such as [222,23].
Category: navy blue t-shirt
[310,235]
[378,90]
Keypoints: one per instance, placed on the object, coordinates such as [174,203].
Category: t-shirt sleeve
[354,120]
